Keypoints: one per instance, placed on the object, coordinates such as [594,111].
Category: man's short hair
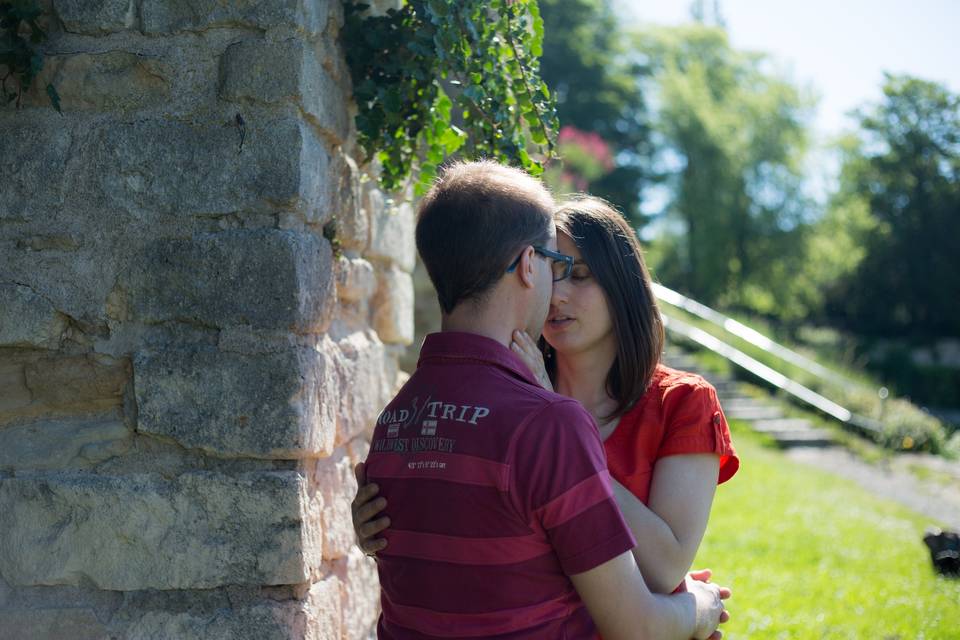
[474,222]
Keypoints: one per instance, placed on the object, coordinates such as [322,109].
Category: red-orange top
[679,413]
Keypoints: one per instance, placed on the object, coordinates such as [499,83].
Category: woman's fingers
[531,343]
[370,547]
[365,506]
[524,355]
[528,343]
[701,575]
[368,511]
[527,348]
[529,352]
[371,529]
[365,493]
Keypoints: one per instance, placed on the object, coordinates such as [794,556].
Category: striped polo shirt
[497,491]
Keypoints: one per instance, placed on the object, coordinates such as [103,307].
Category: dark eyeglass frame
[566,260]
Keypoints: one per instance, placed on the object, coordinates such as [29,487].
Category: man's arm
[624,609]
[671,528]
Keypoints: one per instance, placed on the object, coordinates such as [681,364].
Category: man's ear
[526,266]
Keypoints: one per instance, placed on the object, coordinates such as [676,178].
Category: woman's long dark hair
[611,250]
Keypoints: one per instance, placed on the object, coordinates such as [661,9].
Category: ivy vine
[21,58]
[438,77]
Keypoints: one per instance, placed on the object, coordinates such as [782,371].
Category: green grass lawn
[810,555]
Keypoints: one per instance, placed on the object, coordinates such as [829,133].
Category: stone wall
[189,367]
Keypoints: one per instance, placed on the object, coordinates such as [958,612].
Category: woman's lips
[559,322]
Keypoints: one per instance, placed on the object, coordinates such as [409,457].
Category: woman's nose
[560,289]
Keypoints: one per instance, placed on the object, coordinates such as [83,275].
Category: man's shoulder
[559,418]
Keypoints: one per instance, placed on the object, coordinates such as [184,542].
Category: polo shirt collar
[463,346]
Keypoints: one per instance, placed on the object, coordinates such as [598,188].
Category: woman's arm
[670,528]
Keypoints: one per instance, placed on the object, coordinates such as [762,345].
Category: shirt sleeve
[561,486]
[694,423]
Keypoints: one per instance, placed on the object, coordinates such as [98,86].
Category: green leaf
[452,139]
[398,62]
[443,106]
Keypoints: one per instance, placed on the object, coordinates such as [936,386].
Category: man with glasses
[503,522]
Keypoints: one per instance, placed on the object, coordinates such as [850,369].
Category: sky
[838,49]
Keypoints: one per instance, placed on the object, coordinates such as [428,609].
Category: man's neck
[477,321]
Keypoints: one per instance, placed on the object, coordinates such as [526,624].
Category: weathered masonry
[203,299]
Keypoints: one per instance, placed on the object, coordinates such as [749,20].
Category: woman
[665,436]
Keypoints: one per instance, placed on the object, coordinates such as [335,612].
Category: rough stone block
[51,624]
[270,71]
[28,319]
[276,405]
[392,236]
[32,159]
[353,220]
[88,382]
[58,444]
[356,279]
[359,449]
[43,383]
[16,397]
[267,278]
[360,594]
[165,16]
[264,621]
[362,358]
[94,17]
[393,307]
[199,530]
[103,81]
[259,69]
[325,616]
[334,478]
[172,167]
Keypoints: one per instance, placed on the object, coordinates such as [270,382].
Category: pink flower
[590,142]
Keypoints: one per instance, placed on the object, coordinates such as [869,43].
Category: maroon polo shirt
[497,491]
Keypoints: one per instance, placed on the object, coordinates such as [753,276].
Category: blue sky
[839,48]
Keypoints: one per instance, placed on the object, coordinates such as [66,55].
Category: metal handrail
[770,376]
[752,336]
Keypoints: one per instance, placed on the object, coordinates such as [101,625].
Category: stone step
[782,424]
[754,413]
[725,387]
[682,365]
[752,410]
[802,438]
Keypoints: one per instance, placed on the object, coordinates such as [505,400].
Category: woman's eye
[580,275]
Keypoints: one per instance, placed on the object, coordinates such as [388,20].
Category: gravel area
[937,498]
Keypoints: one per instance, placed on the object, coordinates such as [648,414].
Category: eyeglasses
[560,264]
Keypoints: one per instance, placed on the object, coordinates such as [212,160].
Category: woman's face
[579,318]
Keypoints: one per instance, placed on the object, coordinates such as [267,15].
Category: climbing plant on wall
[441,76]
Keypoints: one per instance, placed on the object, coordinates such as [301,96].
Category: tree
[734,134]
[597,89]
[905,167]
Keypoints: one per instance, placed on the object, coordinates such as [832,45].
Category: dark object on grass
[944,550]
